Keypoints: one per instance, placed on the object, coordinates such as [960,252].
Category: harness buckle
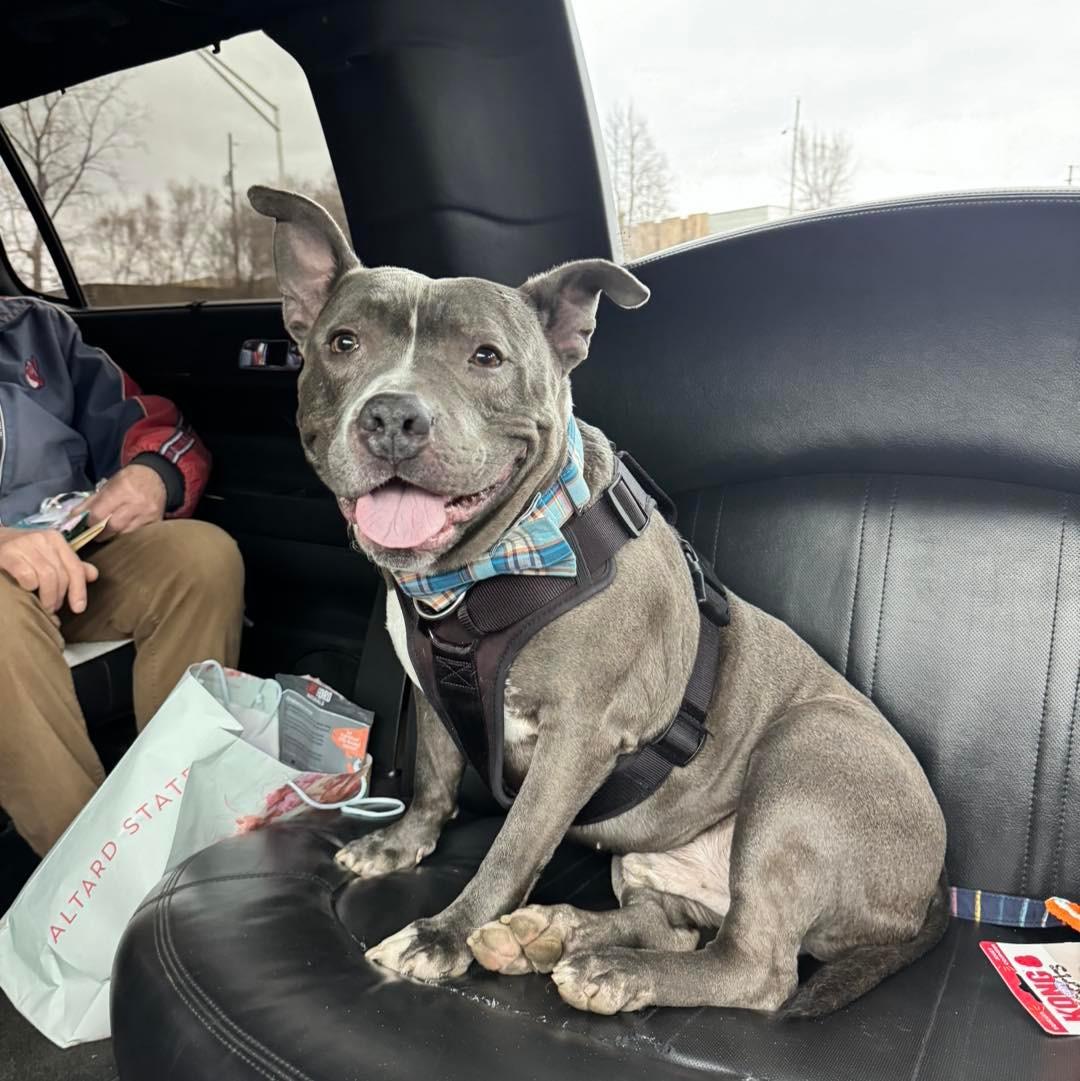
[715,612]
[619,491]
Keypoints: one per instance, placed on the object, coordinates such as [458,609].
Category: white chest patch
[518,725]
[395,624]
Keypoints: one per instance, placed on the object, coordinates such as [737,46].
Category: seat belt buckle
[716,613]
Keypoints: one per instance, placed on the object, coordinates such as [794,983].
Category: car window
[144,173]
[717,117]
[22,245]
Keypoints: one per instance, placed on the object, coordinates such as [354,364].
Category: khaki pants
[176,587]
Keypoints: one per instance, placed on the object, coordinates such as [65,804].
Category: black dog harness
[462,656]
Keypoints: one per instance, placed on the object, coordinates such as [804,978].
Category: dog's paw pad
[532,939]
[605,982]
[495,947]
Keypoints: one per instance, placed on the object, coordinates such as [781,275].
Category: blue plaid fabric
[535,545]
[1003,909]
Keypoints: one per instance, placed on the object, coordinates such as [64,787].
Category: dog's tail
[839,982]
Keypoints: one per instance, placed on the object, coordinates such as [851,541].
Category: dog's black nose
[395,426]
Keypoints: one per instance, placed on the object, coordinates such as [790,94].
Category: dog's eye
[487,356]
[344,341]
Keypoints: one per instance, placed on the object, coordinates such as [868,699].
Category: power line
[227,75]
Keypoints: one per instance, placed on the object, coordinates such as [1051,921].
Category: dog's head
[434,409]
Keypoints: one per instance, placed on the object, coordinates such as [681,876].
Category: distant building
[650,236]
[727,221]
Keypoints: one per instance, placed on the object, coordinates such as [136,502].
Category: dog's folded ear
[310,254]
[566,299]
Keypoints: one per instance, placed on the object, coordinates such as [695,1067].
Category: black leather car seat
[872,422]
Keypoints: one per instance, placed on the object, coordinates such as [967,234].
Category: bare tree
[157,239]
[69,143]
[640,174]
[824,169]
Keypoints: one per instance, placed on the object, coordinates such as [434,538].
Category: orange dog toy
[1066,911]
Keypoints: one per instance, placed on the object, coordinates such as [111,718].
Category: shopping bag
[203,769]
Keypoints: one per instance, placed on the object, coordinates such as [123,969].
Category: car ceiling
[52,44]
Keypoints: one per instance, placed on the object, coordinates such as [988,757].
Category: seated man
[69,417]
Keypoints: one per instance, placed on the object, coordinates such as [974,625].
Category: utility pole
[794,156]
[230,179]
[1069,179]
[231,79]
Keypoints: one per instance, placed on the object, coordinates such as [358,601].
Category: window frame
[73,292]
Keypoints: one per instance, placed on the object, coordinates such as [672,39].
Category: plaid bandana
[535,545]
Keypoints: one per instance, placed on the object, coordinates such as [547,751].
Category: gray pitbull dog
[805,824]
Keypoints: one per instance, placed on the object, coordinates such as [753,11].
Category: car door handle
[264,353]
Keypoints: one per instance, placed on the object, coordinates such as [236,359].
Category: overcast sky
[191,111]
[934,96]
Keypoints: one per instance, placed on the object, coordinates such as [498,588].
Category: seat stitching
[166,967]
[1045,702]
[199,1002]
[245,1044]
[716,532]
[916,1069]
[187,989]
[298,875]
[1065,785]
[693,521]
[858,573]
[884,586]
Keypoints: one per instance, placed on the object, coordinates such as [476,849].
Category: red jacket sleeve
[119,422]
[162,430]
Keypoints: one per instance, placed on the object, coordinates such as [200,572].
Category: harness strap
[638,774]
[463,657]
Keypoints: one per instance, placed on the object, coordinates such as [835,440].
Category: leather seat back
[872,422]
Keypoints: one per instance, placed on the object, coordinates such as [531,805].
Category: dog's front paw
[532,939]
[424,950]
[606,980]
[384,851]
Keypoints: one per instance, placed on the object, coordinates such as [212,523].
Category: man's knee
[202,559]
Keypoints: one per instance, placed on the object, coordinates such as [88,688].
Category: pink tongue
[399,516]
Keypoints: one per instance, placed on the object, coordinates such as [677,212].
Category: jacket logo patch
[34,379]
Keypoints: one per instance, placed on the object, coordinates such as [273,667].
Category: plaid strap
[1003,909]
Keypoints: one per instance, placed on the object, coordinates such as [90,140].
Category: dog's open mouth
[404,516]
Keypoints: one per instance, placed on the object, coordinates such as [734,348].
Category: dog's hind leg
[818,855]
[752,962]
[666,898]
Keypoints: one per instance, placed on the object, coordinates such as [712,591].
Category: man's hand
[41,560]
[132,498]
